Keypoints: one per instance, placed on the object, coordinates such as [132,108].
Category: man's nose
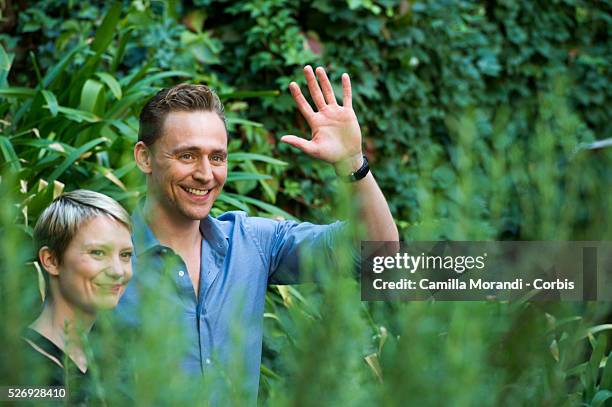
[203,172]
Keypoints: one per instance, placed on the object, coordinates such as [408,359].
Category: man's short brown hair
[181,98]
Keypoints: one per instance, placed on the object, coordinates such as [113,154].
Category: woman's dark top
[45,372]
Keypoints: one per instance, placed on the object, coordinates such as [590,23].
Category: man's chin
[196,213]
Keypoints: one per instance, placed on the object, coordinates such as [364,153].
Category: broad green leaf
[594,330]
[237,120]
[224,197]
[77,115]
[9,154]
[106,31]
[125,130]
[90,95]
[108,174]
[606,378]
[601,397]
[246,176]
[266,371]
[255,157]
[6,60]
[271,209]
[117,109]
[18,92]
[270,193]
[127,168]
[74,156]
[125,38]
[51,101]
[593,369]
[61,65]
[112,84]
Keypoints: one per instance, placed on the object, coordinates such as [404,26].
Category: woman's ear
[142,155]
[48,260]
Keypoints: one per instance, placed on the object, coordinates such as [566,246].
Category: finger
[306,146]
[301,102]
[313,87]
[326,87]
[347,96]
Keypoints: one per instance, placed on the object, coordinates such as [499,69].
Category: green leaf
[246,94]
[77,115]
[594,362]
[125,130]
[246,176]
[245,122]
[224,197]
[600,397]
[6,60]
[106,31]
[61,65]
[125,38]
[112,84]
[270,193]
[9,154]
[271,209]
[18,92]
[255,157]
[157,77]
[90,94]
[51,101]
[606,378]
[72,157]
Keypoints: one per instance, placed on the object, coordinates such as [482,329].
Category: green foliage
[477,118]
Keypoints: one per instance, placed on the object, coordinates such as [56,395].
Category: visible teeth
[200,192]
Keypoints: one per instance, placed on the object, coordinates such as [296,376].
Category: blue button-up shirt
[240,256]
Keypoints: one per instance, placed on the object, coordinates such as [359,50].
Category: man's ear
[48,260]
[142,155]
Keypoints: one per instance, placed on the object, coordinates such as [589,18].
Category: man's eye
[187,156]
[218,158]
[96,252]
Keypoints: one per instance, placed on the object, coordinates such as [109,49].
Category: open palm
[336,137]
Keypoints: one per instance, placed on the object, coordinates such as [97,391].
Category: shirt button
[207,361]
[181,273]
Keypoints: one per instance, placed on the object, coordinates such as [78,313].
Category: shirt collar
[144,240]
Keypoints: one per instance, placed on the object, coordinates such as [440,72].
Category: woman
[84,245]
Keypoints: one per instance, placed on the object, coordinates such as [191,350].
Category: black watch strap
[360,173]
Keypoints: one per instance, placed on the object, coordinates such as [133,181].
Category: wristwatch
[360,173]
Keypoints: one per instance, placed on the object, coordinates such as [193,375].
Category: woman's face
[96,265]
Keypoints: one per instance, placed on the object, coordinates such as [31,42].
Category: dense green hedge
[416,68]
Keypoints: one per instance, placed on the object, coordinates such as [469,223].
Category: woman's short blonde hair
[60,221]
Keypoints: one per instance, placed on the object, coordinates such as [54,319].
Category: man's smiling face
[189,163]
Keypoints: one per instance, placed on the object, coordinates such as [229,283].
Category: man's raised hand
[336,137]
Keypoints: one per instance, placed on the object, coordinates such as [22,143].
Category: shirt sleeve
[290,246]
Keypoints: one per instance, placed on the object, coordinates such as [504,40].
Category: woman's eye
[96,252]
[126,255]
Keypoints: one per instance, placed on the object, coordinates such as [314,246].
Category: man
[221,267]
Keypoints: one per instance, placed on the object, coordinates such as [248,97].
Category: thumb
[305,145]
